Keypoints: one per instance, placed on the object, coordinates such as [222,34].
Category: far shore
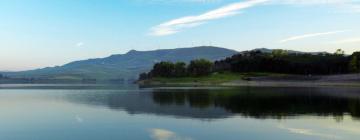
[346,80]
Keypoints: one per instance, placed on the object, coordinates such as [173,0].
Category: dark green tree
[144,76]
[354,64]
[291,63]
[163,69]
[200,67]
[180,69]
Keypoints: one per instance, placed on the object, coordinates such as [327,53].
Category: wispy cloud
[348,40]
[79,44]
[162,134]
[304,36]
[308,132]
[182,23]
[176,25]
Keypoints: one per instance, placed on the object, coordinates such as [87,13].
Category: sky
[45,33]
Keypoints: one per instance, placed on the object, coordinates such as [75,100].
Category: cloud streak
[304,36]
[179,24]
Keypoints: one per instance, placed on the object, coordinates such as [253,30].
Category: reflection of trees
[199,99]
[264,102]
[220,103]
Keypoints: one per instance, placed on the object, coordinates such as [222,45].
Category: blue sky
[40,33]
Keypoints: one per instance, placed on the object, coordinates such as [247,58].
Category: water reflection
[251,102]
[163,134]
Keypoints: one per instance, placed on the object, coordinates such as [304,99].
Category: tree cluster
[354,65]
[277,61]
[280,61]
[198,67]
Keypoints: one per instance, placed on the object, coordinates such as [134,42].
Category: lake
[129,112]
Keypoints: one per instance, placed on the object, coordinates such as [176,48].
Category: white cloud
[79,44]
[308,132]
[179,24]
[176,25]
[304,36]
[348,40]
[162,134]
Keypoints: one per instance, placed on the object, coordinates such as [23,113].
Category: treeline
[2,76]
[199,67]
[277,61]
[281,61]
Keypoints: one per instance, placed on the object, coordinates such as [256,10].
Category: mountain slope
[126,66]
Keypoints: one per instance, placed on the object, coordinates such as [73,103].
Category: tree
[180,69]
[144,76]
[339,52]
[354,64]
[279,52]
[163,69]
[200,67]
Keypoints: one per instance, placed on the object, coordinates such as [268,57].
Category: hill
[124,66]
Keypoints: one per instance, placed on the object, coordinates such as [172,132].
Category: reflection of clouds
[308,132]
[79,119]
[162,134]
[351,129]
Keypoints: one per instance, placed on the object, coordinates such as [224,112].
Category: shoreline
[260,84]
[346,80]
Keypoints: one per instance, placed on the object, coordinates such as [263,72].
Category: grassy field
[214,78]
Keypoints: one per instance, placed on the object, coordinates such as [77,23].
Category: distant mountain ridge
[124,66]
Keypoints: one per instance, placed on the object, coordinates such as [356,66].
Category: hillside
[124,66]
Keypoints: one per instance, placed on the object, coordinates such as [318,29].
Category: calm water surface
[111,112]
